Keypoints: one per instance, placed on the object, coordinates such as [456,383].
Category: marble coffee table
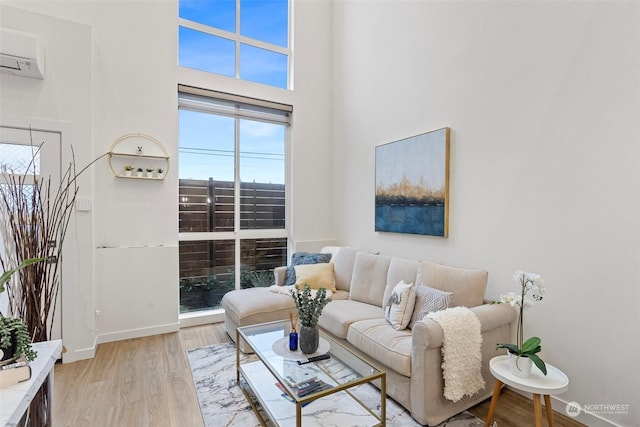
[271,383]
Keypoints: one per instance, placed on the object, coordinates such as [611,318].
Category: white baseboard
[79,354]
[186,320]
[138,333]
[201,318]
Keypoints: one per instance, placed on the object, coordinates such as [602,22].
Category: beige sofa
[412,357]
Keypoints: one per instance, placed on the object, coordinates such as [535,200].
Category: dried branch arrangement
[36,212]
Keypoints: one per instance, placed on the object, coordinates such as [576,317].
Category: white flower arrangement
[531,291]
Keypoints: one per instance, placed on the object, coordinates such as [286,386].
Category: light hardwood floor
[147,382]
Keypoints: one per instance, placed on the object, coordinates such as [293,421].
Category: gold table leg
[238,357]
[383,399]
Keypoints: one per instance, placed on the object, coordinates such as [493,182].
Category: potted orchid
[531,291]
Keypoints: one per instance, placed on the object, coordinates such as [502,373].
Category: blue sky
[264,20]
[207,144]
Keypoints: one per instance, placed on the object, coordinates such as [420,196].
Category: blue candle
[293,340]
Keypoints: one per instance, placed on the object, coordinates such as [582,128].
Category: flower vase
[309,339]
[520,365]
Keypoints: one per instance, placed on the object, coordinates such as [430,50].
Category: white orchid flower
[532,277]
[518,275]
[537,292]
[510,298]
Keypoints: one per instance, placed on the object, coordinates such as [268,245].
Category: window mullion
[233,36]
[263,45]
[236,201]
[237,60]
[237,39]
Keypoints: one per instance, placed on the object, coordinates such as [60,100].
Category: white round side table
[555,382]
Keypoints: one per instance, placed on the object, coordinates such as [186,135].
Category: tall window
[232,195]
[245,39]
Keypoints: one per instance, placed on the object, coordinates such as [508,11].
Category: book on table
[14,372]
[305,388]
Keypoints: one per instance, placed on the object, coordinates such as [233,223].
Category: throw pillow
[302,258]
[316,276]
[428,300]
[399,307]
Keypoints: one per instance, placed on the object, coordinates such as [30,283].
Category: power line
[229,153]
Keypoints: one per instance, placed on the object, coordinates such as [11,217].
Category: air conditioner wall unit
[21,54]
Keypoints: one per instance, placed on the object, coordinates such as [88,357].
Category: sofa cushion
[343,267]
[301,258]
[399,269]
[399,307]
[316,276]
[256,305]
[377,339]
[338,295]
[338,315]
[428,300]
[467,285]
[369,278]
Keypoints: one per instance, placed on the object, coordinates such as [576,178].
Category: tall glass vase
[309,339]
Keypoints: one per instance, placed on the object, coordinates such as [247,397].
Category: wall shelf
[138,156]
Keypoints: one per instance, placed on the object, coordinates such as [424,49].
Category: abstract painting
[412,185]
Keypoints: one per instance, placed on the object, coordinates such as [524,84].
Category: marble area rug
[222,403]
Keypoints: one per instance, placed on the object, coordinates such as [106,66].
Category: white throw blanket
[461,352]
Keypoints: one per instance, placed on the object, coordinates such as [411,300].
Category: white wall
[119,90]
[128,84]
[61,102]
[543,102]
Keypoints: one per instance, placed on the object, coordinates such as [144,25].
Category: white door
[16,152]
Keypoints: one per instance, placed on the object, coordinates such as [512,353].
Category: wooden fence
[202,258]
[208,206]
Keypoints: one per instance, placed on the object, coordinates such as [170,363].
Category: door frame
[67,291]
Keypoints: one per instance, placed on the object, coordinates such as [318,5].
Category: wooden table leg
[494,402]
[547,404]
[537,410]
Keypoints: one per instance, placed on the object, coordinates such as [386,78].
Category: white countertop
[15,399]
